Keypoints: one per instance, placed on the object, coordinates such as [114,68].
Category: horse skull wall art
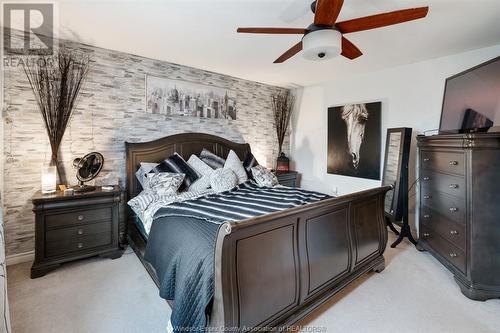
[354,140]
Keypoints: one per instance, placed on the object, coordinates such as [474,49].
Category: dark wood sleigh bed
[273,270]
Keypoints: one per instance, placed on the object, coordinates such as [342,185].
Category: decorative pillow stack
[197,174]
[214,161]
[264,177]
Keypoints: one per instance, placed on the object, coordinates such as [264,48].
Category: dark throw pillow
[214,161]
[249,162]
[176,164]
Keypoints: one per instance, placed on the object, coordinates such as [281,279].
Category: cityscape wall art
[187,99]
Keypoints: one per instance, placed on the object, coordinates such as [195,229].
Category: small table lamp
[49,179]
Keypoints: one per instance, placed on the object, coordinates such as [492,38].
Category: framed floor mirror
[395,174]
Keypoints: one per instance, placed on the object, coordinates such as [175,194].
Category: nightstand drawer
[287,178]
[289,183]
[65,246]
[81,216]
[77,232]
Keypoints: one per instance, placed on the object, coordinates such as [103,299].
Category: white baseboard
[20,258]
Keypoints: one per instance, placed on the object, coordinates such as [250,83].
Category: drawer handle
[80,245]
[453,255]
[426,234]
[80,231]
[453,232]
[453,209]
[427,216]
[453,186]
[427,178]
[427,196]
[80,217]
[427,159]
[453,162]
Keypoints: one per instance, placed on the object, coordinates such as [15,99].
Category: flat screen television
[471,100]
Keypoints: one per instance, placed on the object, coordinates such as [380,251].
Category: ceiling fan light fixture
[322,44]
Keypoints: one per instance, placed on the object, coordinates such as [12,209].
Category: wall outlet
[335,191]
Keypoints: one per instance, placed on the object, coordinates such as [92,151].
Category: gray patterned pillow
[264,177]
[233,163]
[223,180]
[144,169]
[163,183]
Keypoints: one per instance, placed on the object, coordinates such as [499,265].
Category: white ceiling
[202,34]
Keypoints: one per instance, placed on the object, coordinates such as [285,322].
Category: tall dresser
[459,219]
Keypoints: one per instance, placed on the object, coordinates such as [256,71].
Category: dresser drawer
[451,162]
[77,232]
[78,217]
[83,243]
[454,232]
[435,181]
[446,205]
[445,249]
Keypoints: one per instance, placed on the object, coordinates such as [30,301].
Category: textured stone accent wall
[110,111]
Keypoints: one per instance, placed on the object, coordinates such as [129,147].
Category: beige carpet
[414,294]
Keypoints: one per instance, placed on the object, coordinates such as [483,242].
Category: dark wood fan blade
[382,20]
[272,30]
[327,11]
[290,53]
[349,50]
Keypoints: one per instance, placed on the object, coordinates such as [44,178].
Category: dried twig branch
[283,102]
[56,89]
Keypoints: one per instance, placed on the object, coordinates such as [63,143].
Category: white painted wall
[411,96]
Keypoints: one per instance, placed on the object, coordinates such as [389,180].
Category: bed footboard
[273,270]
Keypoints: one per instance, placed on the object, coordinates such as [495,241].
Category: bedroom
[302,247]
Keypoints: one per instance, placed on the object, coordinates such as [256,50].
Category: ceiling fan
[324,38]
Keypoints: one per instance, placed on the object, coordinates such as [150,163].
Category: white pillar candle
[49,179]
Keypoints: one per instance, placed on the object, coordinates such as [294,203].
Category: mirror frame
[399,193]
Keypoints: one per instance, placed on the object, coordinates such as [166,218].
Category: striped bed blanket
[181,243]
[243,202]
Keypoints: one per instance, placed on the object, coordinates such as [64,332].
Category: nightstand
[288,178]
[74,227]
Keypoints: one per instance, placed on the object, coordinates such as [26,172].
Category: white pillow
[204,170]
[163,183]
[264,177]
[199,166]
[234,164]
[223,180]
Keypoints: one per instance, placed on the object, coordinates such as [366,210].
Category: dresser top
[460,136]
[465,140]
[39,197]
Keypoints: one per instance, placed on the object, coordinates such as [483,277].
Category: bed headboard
[184,144]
